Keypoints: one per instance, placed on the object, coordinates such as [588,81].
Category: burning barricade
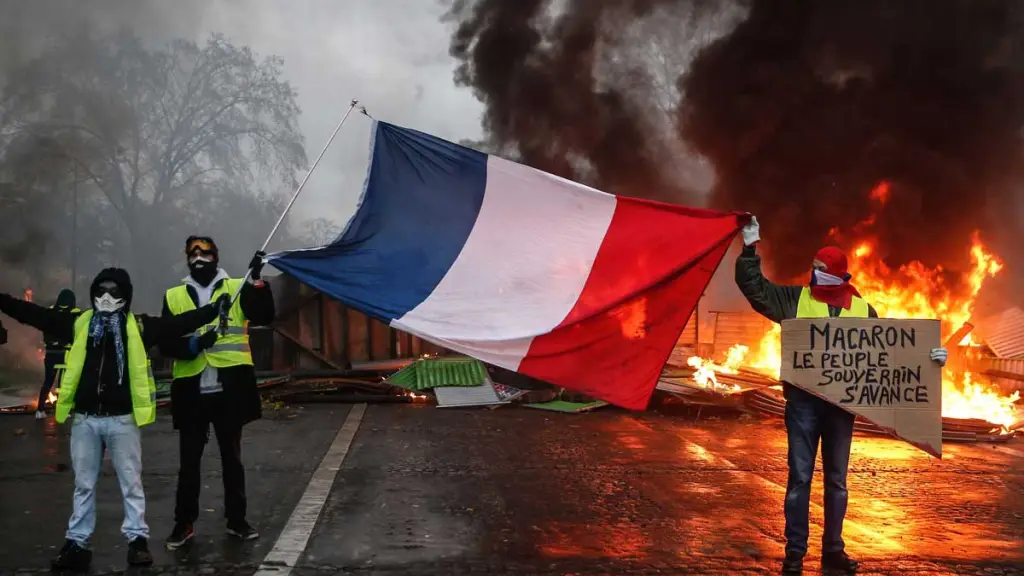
[973,406]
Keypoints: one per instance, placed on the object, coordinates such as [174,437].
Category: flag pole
[311,168]
[287,208]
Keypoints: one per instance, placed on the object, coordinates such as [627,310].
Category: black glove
[223,304]
[256,265]
[209,338]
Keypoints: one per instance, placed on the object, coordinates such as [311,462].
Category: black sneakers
[138,553]
[181,534]
[838,563]
[241,529]
[72,557]
[793,565]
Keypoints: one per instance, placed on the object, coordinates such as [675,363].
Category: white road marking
[293,539]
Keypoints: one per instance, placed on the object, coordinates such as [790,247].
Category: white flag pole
[291,202]
[311,168]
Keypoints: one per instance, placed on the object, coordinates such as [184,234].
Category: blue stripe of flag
[421,200]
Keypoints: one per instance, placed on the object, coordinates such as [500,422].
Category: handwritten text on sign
[877,368]
[862,360]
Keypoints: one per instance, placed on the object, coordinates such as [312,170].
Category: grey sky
[390,54]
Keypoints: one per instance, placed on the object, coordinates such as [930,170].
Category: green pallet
[430,373]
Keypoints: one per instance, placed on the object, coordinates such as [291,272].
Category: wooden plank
[291,338]
[380,335]
[358,344]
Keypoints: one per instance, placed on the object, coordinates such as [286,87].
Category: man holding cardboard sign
[811,418]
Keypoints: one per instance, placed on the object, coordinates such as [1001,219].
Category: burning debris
[912,290]
[800,109]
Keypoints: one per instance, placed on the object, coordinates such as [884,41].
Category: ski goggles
[201,247]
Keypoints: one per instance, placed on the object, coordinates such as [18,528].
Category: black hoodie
[100,391]
[65,303]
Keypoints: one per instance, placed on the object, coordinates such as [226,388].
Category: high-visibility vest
[140,372]
[808,307]
[231,349]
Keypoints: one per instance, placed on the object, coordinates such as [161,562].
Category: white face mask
[825,279]
[206,259]
[108,303]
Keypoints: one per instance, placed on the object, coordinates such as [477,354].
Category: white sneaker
[40,414]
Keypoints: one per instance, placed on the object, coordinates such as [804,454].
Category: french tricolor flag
[519,268]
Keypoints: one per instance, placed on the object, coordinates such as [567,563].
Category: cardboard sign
[875,368]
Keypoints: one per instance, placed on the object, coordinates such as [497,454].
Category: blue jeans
[120,435]
[808,419]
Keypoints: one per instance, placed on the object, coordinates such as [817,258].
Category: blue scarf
[98,326]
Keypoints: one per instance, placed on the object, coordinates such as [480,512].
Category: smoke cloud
[802,108]
[567,86]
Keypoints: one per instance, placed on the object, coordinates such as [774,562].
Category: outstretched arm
[59,323]
[774,302]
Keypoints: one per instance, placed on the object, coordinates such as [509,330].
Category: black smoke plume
[539,75]
[802,108]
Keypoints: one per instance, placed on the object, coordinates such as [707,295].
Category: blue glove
[197,344]
[940,355]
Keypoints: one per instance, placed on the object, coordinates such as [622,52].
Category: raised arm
[775,302]
[256,299]
[257,303]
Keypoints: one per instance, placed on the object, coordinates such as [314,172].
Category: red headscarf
[840,295]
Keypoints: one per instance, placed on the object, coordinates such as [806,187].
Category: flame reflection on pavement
[716,489]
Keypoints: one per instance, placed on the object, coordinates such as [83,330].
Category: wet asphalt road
[425,491]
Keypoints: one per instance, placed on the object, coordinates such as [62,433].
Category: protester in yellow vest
[810,419]
[214,384]
[56,349]
[108,387]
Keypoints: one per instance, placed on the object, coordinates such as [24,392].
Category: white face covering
[822,278]
[198,258]
[108,303]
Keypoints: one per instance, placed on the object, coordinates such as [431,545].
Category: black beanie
[66,299]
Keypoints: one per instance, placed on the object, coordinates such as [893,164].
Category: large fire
[912,291]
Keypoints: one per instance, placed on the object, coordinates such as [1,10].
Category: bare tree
[320,231]
[164,134]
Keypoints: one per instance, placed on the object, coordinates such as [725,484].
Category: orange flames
[912,291]
[704,370]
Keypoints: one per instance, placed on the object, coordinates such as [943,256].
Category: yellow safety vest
[231,349]
[808,307]
[140,373]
